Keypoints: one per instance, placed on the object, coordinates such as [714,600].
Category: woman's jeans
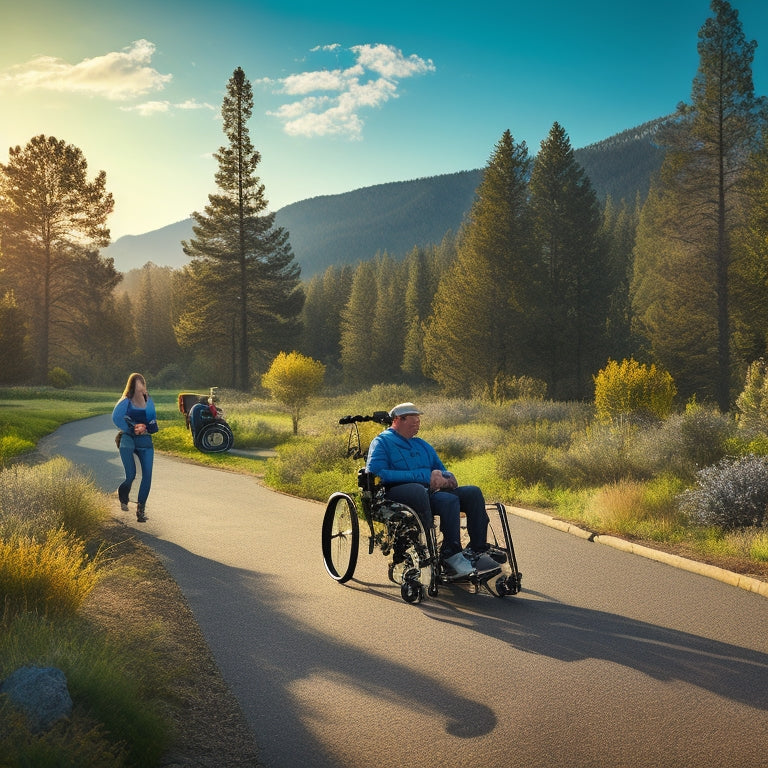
[447,505]
[140,446]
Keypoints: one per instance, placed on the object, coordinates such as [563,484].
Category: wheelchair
[398,532]
[206,422]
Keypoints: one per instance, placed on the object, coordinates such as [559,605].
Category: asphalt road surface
[606,659]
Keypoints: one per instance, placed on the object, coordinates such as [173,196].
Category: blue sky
[346,95]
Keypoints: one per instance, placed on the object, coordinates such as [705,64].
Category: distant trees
[682,286]
[242,287]
[14,362]
[52,223]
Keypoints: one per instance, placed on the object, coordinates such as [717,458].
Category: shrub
[172,376]
[752,403]
[730,494]
[36,499]
[51,576]
[59,378]
[601,455]
[462,441]
[634,391]
[524,461]
[506,387]
[684,443]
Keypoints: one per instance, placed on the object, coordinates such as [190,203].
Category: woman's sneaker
[458,566]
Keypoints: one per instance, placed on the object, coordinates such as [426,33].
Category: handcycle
[397,531]
[205,420]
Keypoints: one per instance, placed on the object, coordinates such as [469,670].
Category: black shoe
[140,516]
[484,564]
[499,555]
[123,501]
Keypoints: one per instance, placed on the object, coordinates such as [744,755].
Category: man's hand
[439,480]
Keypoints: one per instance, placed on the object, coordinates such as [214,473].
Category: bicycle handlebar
[380,417]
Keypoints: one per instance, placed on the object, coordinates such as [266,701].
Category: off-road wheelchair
[398,532]
[205,420]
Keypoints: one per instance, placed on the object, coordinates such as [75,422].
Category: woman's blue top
[125,414]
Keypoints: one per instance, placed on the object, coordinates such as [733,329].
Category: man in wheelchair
[413,474]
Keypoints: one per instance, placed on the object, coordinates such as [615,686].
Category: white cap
[404,409]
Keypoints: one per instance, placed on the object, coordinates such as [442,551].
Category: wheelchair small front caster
[412,591]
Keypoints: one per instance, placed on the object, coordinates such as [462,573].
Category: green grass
[51,560]
[116,720]
[532,453]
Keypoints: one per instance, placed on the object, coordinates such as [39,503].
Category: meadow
[693,483]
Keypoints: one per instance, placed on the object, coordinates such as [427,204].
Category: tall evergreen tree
[571,268]
[157,346]
[252,256]
[750,274]
[480,330]
[356,317]
[418,302]
[709,143]
[387,324]
[52,221]
[14,362]
[618,233]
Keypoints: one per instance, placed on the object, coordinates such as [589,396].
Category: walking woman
[135,417]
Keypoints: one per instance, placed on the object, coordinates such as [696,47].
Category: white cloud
[148,108]
[118,76]
[369,82]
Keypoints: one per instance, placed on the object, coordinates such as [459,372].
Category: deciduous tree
[294,380]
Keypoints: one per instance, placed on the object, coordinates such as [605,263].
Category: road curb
[702,569]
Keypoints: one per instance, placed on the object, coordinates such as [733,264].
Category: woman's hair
[130,385]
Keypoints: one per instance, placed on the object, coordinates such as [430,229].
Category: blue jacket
[125,408]
[395,459]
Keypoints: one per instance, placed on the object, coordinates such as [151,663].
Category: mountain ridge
[395,217]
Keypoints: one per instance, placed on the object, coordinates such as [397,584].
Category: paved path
[605,660]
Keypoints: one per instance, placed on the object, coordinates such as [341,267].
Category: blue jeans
[140,446]
[447,505]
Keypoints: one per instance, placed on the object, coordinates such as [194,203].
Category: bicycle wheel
[340,537]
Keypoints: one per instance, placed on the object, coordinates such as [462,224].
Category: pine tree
[14,362]
[252,256]
[571,268]
[480,330]
[356,346]
[618,232]
[709,143]
[52,220]
[750,274]
[418,301]
[387,322]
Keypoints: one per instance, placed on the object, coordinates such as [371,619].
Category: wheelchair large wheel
[215,437]
[340,537]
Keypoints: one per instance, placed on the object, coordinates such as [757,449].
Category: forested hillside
[395,217]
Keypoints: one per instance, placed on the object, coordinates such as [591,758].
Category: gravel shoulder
[138,597]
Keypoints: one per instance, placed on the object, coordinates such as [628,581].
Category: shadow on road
[281,652]
[571,633]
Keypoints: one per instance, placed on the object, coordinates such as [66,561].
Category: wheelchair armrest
[367,480]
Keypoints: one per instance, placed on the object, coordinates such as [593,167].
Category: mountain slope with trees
[395,217]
